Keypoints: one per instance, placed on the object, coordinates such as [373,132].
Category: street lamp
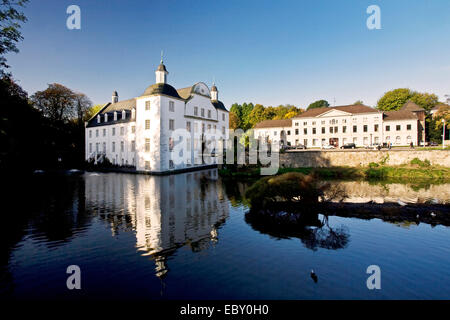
[443,133]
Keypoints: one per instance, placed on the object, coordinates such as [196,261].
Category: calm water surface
[187,237]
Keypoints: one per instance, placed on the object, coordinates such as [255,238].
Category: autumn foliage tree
[57,102]
[443,113]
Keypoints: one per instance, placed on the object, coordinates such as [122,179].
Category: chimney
[115,97]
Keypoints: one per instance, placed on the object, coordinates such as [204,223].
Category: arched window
[397,140]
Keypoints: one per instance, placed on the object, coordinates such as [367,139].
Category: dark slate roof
[399,115]
[411,106]
[353,109]
[115,94]
[219,105]
[274,123]
[161,67]
[121,105]
[162,88]
[93,122]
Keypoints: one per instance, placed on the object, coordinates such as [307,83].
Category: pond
[188,236]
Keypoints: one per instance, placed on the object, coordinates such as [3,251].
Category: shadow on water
[50,209]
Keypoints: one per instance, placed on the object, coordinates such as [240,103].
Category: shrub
[384,160]
[373,165]
[420,163]
[289,187]
[376,173]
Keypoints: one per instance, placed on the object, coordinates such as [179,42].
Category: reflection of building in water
[164,211]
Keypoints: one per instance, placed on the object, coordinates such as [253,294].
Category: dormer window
[115,116]
[106,117]
[99,119]
[133,113]
[123,114]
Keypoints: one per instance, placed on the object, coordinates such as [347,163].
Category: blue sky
[269,52]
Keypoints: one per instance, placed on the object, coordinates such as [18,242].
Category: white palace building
[358,124]
[139,133]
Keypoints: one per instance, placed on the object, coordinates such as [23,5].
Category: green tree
[257,115]
[10,22]
[426,100]
[395,99]
[245,120]
[358,102]
[318,104]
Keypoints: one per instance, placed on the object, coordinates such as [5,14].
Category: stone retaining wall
[354,158]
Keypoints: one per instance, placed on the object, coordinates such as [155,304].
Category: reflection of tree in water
[326,237]
[59,208]
[235,191]
[47,206]
[313,232]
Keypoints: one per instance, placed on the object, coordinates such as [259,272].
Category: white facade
[141,132]
[340,125]
[401,132]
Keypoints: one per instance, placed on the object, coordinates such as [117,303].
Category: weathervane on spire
[162,53]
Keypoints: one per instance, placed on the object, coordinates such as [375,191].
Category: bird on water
[314,276]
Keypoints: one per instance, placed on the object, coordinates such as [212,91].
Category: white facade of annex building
[358,124]
[140,132]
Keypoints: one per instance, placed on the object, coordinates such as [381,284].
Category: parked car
[350,145]
[374,146]
[328,146]
[286,147]
[300,146]
[432,144]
